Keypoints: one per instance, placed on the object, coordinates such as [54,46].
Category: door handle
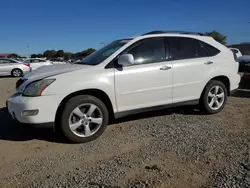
[209,63]
[165,68]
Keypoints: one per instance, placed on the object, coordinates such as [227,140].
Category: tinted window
[211,51]
[187,48]
[148,51]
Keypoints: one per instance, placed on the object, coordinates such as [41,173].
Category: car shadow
[244,87]
[13,131]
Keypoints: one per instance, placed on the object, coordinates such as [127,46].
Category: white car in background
[36,63]
[13,67]
[57,61]
[236,51]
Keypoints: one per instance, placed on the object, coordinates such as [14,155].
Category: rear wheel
[16,72]
[84,118]
[214,97]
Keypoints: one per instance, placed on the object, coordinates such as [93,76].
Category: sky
[33,26]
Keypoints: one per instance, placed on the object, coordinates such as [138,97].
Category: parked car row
[17,68]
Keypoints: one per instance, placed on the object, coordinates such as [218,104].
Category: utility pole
[28,49]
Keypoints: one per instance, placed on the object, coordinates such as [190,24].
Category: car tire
[84,118]
[214,97]
[16,72]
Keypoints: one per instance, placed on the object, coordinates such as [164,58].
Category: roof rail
[175,32]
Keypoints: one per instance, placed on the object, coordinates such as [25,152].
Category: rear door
[191,64]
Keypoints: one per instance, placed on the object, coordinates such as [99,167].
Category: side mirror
[126,59]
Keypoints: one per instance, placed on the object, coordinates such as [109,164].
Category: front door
[148,82]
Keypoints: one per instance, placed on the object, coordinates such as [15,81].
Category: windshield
[102,54]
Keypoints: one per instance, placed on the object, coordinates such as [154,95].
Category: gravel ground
[167,148]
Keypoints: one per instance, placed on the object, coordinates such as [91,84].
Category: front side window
[150,50]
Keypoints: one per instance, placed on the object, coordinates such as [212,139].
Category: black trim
[141,110]
[175,32]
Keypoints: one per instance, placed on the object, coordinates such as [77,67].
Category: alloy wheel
[85,120]
[216,97]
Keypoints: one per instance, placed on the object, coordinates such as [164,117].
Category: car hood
[51,70]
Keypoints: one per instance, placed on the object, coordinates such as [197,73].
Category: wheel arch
[224,79]
[93,92]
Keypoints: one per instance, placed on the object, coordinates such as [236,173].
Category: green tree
[218,37]
[67,55]
[33,55]
[50,53]
[39,55]
[13,56]
[60,53]
[90,51]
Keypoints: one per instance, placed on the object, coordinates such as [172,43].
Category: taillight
[27,64]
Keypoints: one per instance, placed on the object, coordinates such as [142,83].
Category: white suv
[156,70]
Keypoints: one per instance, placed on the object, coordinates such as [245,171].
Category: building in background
[4,55]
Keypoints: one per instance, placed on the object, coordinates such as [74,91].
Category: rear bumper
[26,70]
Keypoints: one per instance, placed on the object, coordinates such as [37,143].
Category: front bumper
[45,105]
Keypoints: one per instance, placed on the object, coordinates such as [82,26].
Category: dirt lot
[170,148]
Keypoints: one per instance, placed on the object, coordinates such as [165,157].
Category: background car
[36,63]
[13,67]
[236,52]
[57,61]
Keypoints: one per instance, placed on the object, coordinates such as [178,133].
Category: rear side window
[212,51]
[188,48]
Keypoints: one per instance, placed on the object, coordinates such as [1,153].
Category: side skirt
[141,110]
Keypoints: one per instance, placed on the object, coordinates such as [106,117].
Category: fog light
[30,113]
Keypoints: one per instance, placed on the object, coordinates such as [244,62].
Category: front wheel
[84,118]
[214,97]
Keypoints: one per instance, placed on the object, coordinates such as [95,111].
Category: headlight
[36,88]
